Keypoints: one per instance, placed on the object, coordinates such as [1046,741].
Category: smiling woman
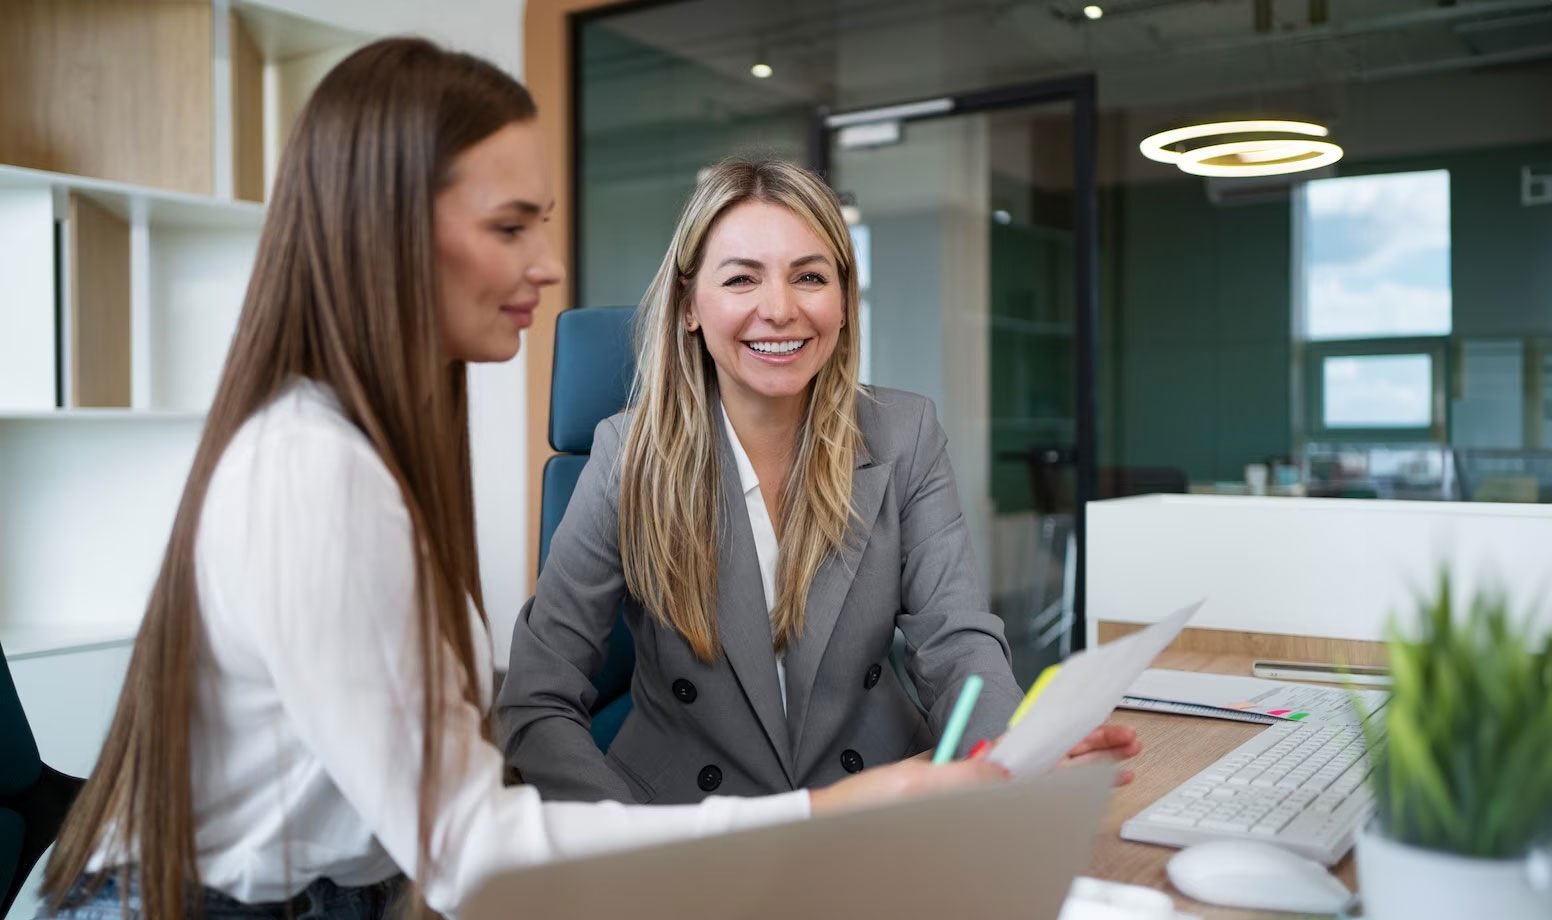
[770,310]
[756,300]
[492,259]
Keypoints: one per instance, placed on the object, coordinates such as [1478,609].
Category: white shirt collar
[747,478]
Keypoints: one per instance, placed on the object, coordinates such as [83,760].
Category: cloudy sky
[1376,256]
[1378,391]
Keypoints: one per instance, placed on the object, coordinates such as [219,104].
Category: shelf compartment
[28,314]
[97,355]
[277,60]
[88,508]
[196,281]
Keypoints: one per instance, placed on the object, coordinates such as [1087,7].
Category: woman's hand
[1107,742]
[903,780]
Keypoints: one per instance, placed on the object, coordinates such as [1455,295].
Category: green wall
[1500,250]
[1199,306]
[1202,315]
[1030,377]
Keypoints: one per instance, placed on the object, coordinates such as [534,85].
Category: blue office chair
[594,363]
[33,797]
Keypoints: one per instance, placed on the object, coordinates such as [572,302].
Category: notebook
[1247,699]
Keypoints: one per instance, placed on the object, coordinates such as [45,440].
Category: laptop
[1004,850]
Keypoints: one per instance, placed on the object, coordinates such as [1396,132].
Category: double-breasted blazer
[699,728]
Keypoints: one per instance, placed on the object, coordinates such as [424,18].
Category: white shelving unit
[117,307]
[188,263]
[90,478]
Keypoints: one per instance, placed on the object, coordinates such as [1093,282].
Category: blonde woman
[775,521]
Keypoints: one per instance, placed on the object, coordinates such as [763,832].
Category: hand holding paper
[1082,695]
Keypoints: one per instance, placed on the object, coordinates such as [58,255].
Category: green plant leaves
[1467,765]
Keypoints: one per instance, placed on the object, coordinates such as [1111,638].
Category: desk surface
[1174,749]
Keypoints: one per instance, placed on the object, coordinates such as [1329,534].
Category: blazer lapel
[827,594]
[743,620]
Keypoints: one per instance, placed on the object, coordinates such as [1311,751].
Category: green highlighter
[958,719]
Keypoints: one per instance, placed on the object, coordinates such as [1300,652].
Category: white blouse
[308,725]
[764,537]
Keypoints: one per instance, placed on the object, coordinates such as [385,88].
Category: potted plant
[1463,780]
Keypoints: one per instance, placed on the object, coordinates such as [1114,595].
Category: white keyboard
[1300,785]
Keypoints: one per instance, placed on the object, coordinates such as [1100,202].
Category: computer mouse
[1260,876]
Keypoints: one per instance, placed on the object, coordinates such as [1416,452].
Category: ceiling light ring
[1299,155]
[1157,146]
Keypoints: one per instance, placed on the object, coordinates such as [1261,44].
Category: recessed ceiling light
[1093,11]
[761,70]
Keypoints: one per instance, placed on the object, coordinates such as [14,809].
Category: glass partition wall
[1377,327]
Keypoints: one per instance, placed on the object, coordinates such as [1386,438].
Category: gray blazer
[696,728]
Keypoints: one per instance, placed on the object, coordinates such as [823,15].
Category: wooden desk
[1174,749]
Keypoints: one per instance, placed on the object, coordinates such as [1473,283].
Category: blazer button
[709,779]
[684,691]
[871,680]
[851,761]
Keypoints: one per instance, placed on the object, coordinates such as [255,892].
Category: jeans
[321,900]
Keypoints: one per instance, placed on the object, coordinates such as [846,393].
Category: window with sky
[1375,264]
[1376,256]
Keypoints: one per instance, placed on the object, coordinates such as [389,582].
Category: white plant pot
[1400,882]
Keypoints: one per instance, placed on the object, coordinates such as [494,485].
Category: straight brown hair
[343,292]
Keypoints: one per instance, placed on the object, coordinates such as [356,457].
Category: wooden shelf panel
[98,327]
[120,90]
[248,175]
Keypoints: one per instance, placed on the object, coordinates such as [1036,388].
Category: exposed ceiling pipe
[1352,27]
[1469,62]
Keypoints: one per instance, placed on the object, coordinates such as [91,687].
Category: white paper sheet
[1082,695]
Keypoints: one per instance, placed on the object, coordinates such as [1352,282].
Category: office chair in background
[33,796]
[594,363]
[1052,485]
[1495,475]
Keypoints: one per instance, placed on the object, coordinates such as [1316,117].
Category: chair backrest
[594,363]
[20,764]
[20,768]
[1053,478]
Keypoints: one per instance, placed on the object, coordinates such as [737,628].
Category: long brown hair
[343,292]
[669,515]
